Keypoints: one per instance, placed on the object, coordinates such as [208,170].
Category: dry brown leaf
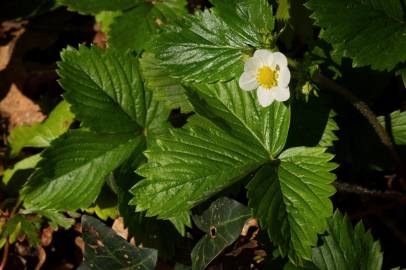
[42,256]
[80,243]
[46,236]
[118,227]
[14,30]
[19,109]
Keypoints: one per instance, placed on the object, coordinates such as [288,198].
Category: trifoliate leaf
[372,32]
[166,89]
[395,123]
[134,28]
[72,171]
[347,248]
[189,165]
[105,250]
[210,45]
[96,6]
[41,135]
[291,199]
[104,88]
[222,223]
[240,111]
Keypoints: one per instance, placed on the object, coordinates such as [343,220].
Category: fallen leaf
[118,227]
[19,109]
[46,236]
[10,31]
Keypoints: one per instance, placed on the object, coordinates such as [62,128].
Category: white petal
[265,56]
[280,93]
[252,65]
[280,59]
[284,77]
[265,97]
[248,81]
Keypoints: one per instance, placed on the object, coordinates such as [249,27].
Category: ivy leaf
[134,28]
[40,135]
[95,6]
[291,199]
[71,173]
[396,124]
[103,87]
[347,248]
[369,31]
[240,111]
[188,165]
[222,222]
[193,52]
[105,250]
[165,88]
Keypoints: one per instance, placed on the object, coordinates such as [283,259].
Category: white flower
[268,72]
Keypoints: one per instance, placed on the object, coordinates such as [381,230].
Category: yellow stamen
[267,77]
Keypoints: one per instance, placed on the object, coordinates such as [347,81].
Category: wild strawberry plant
[259,128]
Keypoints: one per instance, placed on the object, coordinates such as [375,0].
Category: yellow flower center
[267,77]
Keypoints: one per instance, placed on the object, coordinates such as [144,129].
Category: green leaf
[395,123]
[134,28]
[222,223]
[106,18]
[210,45]
[372,32]
[282,12]
[227,103]
[189,165]
[96,6]
[151,232]
[292,201]
[56,219]
[182,220]
[329,137]
[24,164]
[73,169]
[104,249]
[166,89]
[104,88]
[347,248]
[40,135]
[105,205]
[20,225]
